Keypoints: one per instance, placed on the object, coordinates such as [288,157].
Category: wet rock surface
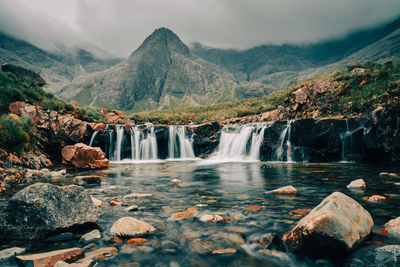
[129,226]
[82,156]
[50,258]
[333,228]
[42,208]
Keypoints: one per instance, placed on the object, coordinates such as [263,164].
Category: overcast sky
[119,26]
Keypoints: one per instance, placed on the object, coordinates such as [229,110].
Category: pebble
[356,184]
[91,236]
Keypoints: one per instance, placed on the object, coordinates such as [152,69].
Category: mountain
[57,68]
[281,65]
[161,73]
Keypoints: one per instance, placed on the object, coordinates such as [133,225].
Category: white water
[120,138]
[93,138]
[179,145]
[233,146]
[346,137]
[285,136]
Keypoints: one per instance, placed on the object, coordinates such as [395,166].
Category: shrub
[14,133]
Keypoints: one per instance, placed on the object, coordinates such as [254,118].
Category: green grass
[15,133]
[353,93]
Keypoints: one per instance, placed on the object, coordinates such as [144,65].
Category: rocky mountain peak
[163,38]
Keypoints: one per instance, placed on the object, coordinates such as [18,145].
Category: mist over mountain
[58,69]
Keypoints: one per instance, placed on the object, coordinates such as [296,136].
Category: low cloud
[119,26]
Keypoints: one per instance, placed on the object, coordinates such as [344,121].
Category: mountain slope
[161,73]
[280,66]
[58,69]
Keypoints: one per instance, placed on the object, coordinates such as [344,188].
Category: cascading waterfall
[234,145]
[179,145]
[285,136]
[93,138]
[143,144]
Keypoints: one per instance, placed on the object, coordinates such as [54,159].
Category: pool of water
[227,189]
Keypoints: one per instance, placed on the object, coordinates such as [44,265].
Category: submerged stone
[392,228]
[283,190]
[50,258]
[129,226]
[356,184]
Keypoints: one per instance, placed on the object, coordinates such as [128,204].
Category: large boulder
[82,156]
[41,209]
[333,228]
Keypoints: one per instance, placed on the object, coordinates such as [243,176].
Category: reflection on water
[225,189]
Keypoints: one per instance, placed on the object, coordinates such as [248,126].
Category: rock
[283,190]
[82,156]
[182,215]
[199,246]
[378,256]
[213,218]
[87,180]
[96,202]
[41,208]
[91,236]
[136,241]
[394,175]
[113,116]
[138,195]
[333,228]
[129,226]
[270,241]
[175,182]
[230,237]
[301,96]
[237,216]
[50,258]
[356,184]
[114,202]
[376,198]
[10,253]
[253,208]
[301,211]
[87,263]
[224,251]
[237,229]
[132,208]
[23,72]
[99,254]
[392,228]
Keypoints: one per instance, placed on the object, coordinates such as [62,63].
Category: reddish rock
[224,251]
[376,198]
[333,228]
[301,96]
[182,215]
[98,126]
[127,127]
[82,156]
[114,116]
[301,211]
[253,208]
[49,259]
[136,241]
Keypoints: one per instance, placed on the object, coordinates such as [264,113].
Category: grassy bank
[355,90]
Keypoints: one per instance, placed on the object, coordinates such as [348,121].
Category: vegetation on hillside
[355,90]
[14,131]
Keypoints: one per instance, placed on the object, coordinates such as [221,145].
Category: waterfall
[346,137]
[285,136]
[234,145]
[179,145]
[120,138]
[93,138]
